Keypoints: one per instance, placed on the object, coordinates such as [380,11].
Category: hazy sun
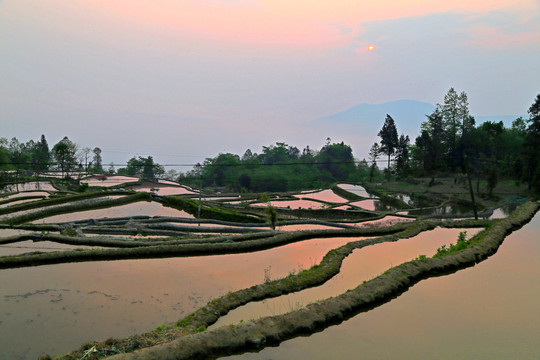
[371,47]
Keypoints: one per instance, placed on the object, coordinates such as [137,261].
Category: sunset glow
[213,74]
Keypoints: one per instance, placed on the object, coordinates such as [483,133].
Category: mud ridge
[271,331]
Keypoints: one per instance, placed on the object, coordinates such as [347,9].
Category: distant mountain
[408,115]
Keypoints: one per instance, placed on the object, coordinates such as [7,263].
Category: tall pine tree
[389,138]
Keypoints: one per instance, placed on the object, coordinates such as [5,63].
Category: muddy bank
[69,208]
[223,245]
[57,200]
[314,317]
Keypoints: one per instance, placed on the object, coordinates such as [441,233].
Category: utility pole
[200,195]
[470,186]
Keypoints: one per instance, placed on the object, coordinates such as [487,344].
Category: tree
[84,157]
[389,138]
[144,167]
[434,141]
[455,112]
[531,146]
[221,170]
[336,161]
[19,156]
[373,155]
[41,156]
[402,156]
[97,161]
[65,154]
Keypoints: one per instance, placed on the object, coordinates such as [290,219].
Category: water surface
[489,311]
[55,308]
[362,265]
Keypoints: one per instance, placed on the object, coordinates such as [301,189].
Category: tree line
[450,142]
[34,159]
[279,167]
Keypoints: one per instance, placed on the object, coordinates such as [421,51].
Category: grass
[461,244]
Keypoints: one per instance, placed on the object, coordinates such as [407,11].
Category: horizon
[185,81]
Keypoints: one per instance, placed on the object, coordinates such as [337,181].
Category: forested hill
[449,141]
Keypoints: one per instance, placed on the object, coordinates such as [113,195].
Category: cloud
[286,23]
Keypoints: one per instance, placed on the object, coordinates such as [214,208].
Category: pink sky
[233,67]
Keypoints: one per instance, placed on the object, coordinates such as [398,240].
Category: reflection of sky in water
[363,264]
[442,210]
[107,181]
[326,195]
[11,203]
[373,205]
[29,186]
[163,190]
[90,202]
[385,221]
[490,317]
[56,308]
[503,211]
[355,189]
[27,193]
[30,246]
[134,209]
[295,204]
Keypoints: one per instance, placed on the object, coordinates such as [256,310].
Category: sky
[182,80]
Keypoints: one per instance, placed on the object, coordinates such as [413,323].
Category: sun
[371,47]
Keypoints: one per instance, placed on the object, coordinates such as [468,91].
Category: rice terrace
[147,277]
[268,180]
[278,254]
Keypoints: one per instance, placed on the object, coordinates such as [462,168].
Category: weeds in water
[461,244]
[267,270]
[161,328]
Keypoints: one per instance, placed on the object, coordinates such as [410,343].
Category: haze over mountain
[408,115]
[359,125]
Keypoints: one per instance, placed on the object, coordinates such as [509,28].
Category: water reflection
[489,311]
[325,195]
[108,181]
[355,189]
[503,211]
[446,210]
[29,186]
[41,246]
[362,265]
[162,189]
[27,193]
[141,208]
[56,308]
[295,204]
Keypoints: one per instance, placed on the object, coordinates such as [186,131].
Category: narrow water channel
[362,265]
[489,311]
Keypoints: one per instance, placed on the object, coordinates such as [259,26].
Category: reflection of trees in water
[380,206]
[17,187]
[443,210]
[507,209]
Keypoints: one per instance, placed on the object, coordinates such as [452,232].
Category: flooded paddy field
[29,186]
[55,308]
[138,208]
[472,314]
[109,181]
[362,265]
[58,307]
